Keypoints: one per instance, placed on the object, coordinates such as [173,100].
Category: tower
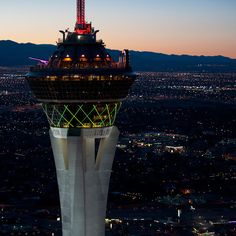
[81,89]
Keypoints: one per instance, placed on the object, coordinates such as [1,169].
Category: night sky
[199,27]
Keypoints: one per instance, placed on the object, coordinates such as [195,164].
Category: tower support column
[83,177]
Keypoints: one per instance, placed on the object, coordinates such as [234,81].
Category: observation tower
[81,89]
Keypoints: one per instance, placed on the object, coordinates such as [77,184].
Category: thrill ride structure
[81,89]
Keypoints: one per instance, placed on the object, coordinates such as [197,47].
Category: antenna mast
[81,12]
[81,26]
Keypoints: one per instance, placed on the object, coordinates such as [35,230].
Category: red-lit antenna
[81,12]
[81,26]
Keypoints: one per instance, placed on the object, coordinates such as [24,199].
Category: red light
[81,12]
[83,29]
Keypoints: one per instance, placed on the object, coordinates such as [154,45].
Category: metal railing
[81,66]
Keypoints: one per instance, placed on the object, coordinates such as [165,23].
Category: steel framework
[81,12]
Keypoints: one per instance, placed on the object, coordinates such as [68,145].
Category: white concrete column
[83,178]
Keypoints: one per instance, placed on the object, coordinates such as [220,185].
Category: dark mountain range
[14,54]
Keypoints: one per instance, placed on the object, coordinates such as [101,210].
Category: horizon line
[135,50]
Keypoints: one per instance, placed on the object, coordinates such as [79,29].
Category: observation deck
[81,71]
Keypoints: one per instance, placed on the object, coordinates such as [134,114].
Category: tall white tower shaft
[83,177]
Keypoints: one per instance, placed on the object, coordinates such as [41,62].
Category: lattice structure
[81,12]
[81,115]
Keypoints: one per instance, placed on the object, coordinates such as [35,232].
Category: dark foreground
[176,154]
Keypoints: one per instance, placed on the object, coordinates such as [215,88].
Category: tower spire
[81,27]
[80,12]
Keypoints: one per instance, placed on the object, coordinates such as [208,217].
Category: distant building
[175,149]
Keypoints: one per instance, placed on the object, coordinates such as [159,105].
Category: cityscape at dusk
[176,151]
[131,136]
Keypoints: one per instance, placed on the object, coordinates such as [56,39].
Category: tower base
[83,177]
